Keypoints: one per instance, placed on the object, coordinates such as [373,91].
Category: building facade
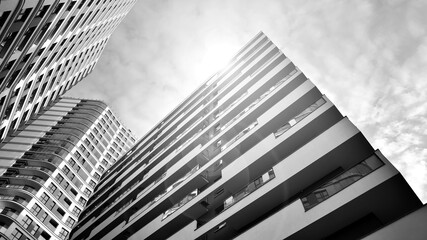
[256,152]
[46,47]
[51,165]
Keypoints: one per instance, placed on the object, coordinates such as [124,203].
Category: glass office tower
[46,47]
[51,165]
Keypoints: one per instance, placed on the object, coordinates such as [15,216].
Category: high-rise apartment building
[256,152]
[51,165]
[46,47]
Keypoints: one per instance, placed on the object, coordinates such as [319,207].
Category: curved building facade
[50,167]
[46,47]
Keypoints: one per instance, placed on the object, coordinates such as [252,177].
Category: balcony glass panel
[299,117]
[340,182]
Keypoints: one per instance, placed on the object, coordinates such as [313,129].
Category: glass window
[35,229]
[76,211]
[52,188]
[16,234]
[63,234]
[44,198]
[26,221]
[43,216]
[70,222]
[35,209]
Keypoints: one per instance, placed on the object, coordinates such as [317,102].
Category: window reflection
[340,182]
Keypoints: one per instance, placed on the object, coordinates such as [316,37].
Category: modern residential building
[50,166]
[256,152]
[46,47]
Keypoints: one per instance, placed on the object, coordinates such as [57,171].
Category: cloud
[368,57]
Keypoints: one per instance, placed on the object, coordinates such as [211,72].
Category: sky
[368,57]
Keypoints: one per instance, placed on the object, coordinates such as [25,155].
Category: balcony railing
[299,117]
[250,188]
[340,182]
[236,197]
[181,203]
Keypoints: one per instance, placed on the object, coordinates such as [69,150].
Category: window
[44,198]
[16,234]
[60,211]
[59,178]
[45,235]
[35,229]
[51,205]
[53,223]
[97,176]
[35,209]
[65,169]
[92,184]
[26,221]
[59,194]
[76,211]
[87,192]
[73,191]
[63,234]
[67,201]
[52,188]
[43,217]
[82,201]
[70,222]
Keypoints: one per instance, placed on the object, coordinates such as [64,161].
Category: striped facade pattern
[51,165]
[46,47]
[256,152]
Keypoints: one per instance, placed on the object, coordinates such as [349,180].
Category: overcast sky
[368,57]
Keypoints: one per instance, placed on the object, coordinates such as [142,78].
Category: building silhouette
[46,47]
[50,166]
[256,152]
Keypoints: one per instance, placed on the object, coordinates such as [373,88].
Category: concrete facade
[256,152]
[48,46]
[51,165]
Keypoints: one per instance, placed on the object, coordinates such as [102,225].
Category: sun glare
[217,55]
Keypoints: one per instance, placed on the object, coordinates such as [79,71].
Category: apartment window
[35,229]
[59,195]
[16,234]
[65,169]
[51,205]
[73,191]
[52,188]
[44,198]
[60,211]
[67,201]
[53,223]
[26,221]
[59,178]
[35,209]
[63,234]
[92,184]
[97,176]
[45,235]
[70,222]
[76,211]
[87,192]
[101,169]
[43,217]
[82,201]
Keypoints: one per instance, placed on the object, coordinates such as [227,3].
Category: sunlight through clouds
[368,57]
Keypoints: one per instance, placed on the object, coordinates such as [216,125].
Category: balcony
[340,182]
